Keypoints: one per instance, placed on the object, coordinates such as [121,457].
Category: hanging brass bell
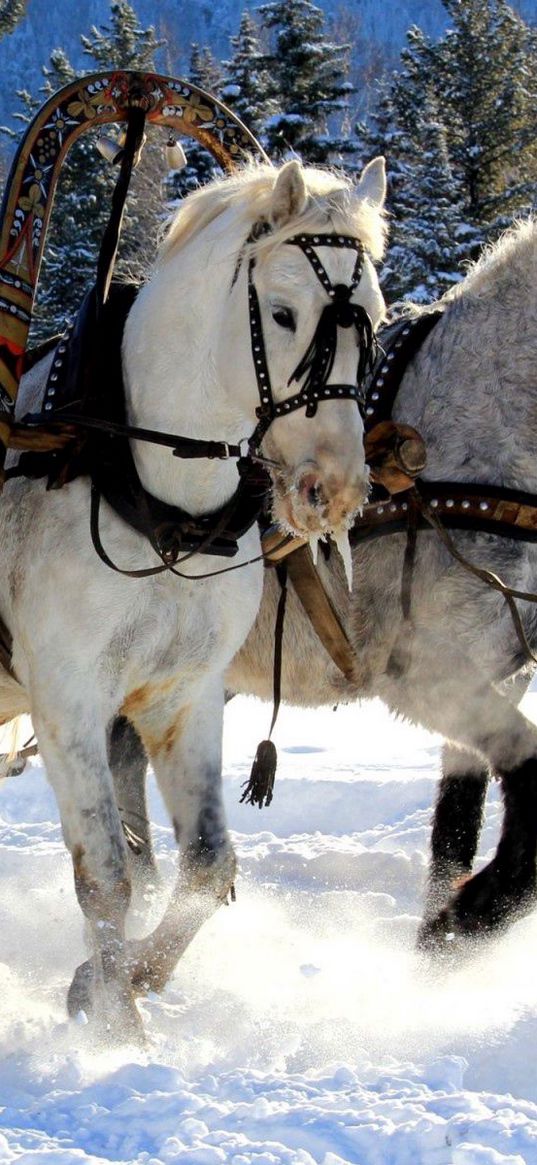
[111,148]
[175,155]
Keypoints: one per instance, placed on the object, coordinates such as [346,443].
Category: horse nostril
[311,490]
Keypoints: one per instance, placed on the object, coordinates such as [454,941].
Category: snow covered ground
[300,1027]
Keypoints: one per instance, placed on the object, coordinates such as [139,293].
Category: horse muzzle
[320,499]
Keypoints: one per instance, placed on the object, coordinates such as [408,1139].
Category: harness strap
[510,594]
[320,610]
[398,345]
[185,447]
[110,240]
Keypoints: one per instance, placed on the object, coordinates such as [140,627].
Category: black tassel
[318,361]
[260,787]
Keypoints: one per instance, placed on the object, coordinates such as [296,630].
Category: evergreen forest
[455,120]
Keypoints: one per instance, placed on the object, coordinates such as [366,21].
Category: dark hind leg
[457,821]
[506,888]
[457,702]
[128,764]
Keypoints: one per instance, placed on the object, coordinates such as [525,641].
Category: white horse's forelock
[332,200]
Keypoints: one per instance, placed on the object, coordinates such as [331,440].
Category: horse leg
[184,746]
[507,887]
[459,811]
[457,821]
[187,762]
[128,764]
[76,763]
[459,703]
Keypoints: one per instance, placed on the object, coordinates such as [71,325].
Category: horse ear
[289,196]
[372,184]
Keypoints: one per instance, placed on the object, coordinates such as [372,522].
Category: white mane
[332,204]
[510,262]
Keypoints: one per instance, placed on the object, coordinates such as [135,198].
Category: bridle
[317,362]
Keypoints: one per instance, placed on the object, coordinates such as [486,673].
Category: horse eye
[284,317]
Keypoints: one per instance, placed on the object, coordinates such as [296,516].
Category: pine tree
[246,83]
[458,127]
[201,166]
[486,81]
[483,72]
[122,43]
[429,238]
[309,83]
[11,13]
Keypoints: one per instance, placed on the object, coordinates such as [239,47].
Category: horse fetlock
[151,976]
[484,904]
[207,871]
[436,937]
[79,996]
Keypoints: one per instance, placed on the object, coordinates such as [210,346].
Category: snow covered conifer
[309,83]
[11,12]
[123,43]
[457,120]
[485,70]
[246,85]
[429,236]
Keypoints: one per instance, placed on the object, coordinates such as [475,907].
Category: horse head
[316,304]
[258,325]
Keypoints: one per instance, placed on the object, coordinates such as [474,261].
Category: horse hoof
[115,1019]
[79,996]
[437,938]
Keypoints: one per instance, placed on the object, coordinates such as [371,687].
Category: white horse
[457,667]
[90,643]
